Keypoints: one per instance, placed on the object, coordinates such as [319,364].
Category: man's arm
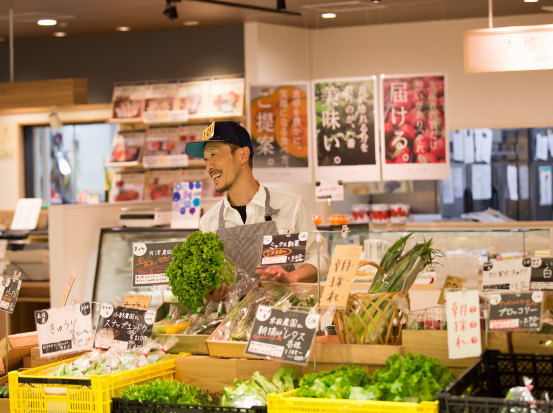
[307,273]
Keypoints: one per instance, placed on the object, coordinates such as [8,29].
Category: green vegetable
[168,392]
[246,394]
[4,392]
[197,267]
[333,384]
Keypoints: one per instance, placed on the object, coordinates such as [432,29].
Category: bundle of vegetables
[197,267]
[246,394]
[169,392]
[404,378]
[174,323]
[4,392]
[240,319]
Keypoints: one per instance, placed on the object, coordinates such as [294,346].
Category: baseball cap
[223,131]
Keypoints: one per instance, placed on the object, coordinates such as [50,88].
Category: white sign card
[507,274]
[328,190]
[545,185]
[512,182]
[193,97]
[463,324]
[523,182]
[483,145]
[458,145]
[186,205]
[458,181]
[542,145]
[481,181]
[447,191]
[27,211]
[469,146]
[64,330]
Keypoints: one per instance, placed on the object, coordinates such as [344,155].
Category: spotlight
[375,1]
[281,5]
[171,10]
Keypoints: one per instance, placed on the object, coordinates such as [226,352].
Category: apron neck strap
[269,212]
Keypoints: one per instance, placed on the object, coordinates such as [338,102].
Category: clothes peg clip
[345,230]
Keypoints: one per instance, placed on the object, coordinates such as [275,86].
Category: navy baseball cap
[224,131]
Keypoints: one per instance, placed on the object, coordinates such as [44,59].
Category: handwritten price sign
[150,261]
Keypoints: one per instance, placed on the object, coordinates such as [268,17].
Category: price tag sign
[329,191]
[542,274]
[451,282]
[340,275]
[10,292]
[64,330]
[284,249]
[463,324]
[150,261]
[515,311]
[506,274]
[139,301]
[281,335]
[123,327]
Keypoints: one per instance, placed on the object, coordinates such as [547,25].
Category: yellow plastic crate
[287,403]
[31,391]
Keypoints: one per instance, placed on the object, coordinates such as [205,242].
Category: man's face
[221,164]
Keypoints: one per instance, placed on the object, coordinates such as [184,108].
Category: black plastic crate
[483,387]
[122,406]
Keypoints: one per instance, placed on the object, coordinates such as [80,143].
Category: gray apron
[244,244]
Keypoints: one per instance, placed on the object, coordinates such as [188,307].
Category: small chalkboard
[282,335]
[123,327]
[542,274]
[150,261]
[510,311]
[284,249]
[10,292]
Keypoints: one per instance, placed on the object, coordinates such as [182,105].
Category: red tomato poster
[414,138]
[278,123]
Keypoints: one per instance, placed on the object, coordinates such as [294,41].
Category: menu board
[127,101]
[150,261]
[123,327]
[278,123]
[413,127]
[284,249]
[511,311]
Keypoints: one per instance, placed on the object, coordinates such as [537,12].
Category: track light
[281,5]
[171,9]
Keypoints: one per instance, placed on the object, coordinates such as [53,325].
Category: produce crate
[31,391]
[123,406]
[287,403]
[483,387]
[532,342]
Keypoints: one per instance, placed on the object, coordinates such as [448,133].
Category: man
[250,210]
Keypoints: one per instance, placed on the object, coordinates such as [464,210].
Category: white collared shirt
[292,217]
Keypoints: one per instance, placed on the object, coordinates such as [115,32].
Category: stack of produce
[169,392]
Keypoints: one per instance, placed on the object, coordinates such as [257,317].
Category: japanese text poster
[347,148]
[150,261]
[227,96]
[186,205]
[413,127]
[463,324]
[127,101]
[193,95]
[159,97]
[278,119]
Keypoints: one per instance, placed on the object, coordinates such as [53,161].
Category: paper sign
[458,146]
[123,327]
[545,186]
[542,145]
[9,293]
[447,191]
[139,301]
[3,248]
[512,182]
[469,146]
[284,249]
[280,335]
[506,275]
[150,261]
[451,282]
[186,205]
[463,324]
[340,275]
[67,289]
[481,182]
[64,330]
[515,311]
[483,145]
[458,182]
[523,182]
[332,191]
[542,274]
[26,214]
[550,139]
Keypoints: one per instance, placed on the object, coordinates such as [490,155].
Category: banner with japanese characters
[346,144]
[413,129]
[278,123]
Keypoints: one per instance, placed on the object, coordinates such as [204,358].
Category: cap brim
[196,149]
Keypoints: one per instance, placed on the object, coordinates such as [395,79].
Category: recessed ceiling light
[191,23]
[123,28]
[60,34]
[46,22]
[328,15]
[530,1]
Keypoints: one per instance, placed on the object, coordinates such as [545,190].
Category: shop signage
[506,275]
[329,191]
[9,293]
[542,274]
[284,249]
[515,311]
[463,324]
[139,301]
[278,123]
[150,261]
[64,330]
[187,197]
[340,275]
[509,49]
[123,327]
[283,335]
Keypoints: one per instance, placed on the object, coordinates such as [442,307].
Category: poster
[278,124]
[186,205]
[546,188]
[162,148]
[413,127]
[159,97]
[227,96]
[127,187]
[345,129]
[192,95]
[127,101]
[126,148]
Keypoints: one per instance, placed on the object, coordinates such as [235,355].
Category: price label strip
[280,335]
[10,293]
[284,249]
[64,330]
[510,311]
[123,327]
[150,261]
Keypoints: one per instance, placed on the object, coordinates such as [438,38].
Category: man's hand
[218,294]
[275,273]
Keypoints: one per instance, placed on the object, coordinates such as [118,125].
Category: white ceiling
[90,17]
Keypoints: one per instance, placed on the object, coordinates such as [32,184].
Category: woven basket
[371,319]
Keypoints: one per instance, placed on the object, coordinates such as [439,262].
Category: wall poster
[278,123]
[413,127]
[345,125]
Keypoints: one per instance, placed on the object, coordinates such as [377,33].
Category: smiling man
[250,210]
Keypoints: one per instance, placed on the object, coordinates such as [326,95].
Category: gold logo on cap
[208,132]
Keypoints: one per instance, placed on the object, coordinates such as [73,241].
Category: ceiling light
[375,1]
[191,23]
[123,28]
[281,4]
[171,10]
[530,1]
[60,34]
[46,22]
[328,15]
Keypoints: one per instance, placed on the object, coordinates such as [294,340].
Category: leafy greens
[168,392]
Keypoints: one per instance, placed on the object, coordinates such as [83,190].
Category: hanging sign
[123,327]
[150,261]
[463,324]
[340,275]
[284,249]
[510,311]
[282,335]
[506,274]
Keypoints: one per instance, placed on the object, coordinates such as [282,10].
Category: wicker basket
[371,319]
